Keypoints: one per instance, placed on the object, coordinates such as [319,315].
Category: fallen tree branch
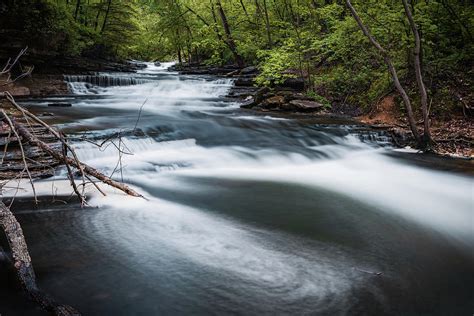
[9,65]
[23,266]
[27,114]
[12,128]
[73,162]
[71,180]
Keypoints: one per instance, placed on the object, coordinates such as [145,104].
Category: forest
[203,157]
[318,40]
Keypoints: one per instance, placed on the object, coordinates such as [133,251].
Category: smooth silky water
[246,213]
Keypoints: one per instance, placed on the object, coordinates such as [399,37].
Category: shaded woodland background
[317,40]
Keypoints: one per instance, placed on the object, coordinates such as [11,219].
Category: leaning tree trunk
[229,39]
[109,3]
[76,11]
[267,24]
[392,70]
[419,77]
[23,266]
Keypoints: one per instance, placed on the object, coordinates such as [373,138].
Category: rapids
[246,213]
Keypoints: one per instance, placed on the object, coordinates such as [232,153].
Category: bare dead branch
[23,265]
[71,180]
[12,128]
[77,164]
[9,65]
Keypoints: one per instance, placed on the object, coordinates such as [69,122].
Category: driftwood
[33,148]
[60,137]
[25,163]
[23,266]
[28,136]
[72,162]
[9,66]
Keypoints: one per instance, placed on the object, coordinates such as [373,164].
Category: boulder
[244,82]
[248,103]
[259,95]
[303,106]
[293,83]
[157,64]
[290,95]
[273,102]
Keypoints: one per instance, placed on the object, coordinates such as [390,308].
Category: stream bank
[273,212]
[453,134]
[47,78]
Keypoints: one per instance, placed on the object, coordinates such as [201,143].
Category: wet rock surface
[37,85]
[305,105]
[194,69]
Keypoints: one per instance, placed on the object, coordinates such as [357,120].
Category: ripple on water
[243,261]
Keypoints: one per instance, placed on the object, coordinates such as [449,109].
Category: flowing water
[246,213]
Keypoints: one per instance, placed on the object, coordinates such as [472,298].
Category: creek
[246,213]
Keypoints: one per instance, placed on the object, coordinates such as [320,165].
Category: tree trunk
[96,22]
[392,70]
[76,11]
[106,16]
[267,24]
[229,39]
[23,266]
[419,76]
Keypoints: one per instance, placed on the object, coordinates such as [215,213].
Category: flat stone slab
[305,105]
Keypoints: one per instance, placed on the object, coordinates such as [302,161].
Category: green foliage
[106,28]
[274,63]
[318,39]
[319,98]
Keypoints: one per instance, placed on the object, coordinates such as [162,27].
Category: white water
[160,90]
[259,149]
[438,200]
[435,199]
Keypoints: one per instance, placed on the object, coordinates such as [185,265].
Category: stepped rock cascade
[245,211]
